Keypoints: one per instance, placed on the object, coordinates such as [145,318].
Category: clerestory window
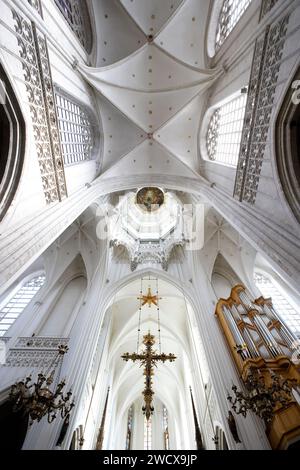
[224,132]
[281,303]
[10,312]
[231,12]
[77,15]
[76,130]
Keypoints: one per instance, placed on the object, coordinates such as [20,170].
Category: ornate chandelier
[262,398]
[45,396]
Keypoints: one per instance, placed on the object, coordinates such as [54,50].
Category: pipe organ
[260,342]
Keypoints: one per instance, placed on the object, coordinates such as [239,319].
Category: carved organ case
[254,330]
[259,340]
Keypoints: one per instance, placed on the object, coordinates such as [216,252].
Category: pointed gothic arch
[68,291]
[12,138]
[287,141]
[223,277]
[220,439]
[125,389]
[13,425]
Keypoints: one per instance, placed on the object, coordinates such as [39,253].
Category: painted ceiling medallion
[150,199]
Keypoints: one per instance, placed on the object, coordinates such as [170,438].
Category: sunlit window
[147,433]
[76,131]
[280,301]
[231,12]
[166,428]
[77,15]
[224,131]
[15,306]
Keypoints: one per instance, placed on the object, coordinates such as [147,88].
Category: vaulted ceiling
[175,326]
[150,76]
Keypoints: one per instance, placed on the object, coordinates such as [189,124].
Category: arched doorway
[13,427]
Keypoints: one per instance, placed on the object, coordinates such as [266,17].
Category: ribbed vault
[150,76]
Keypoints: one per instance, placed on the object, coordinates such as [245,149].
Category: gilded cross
[149,298]
[149,360]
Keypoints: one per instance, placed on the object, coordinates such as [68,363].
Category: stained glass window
[15,306]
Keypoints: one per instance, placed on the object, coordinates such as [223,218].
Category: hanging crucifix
[149,360]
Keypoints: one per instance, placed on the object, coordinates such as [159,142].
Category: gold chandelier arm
[37,399]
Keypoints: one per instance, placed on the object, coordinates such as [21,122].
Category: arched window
[231,12]
[224,132]
[147,433]
[15,306]
[129,428]
[166,428]
[76,14]
[281,303]
[76,129]
[77,439]
[220,439]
